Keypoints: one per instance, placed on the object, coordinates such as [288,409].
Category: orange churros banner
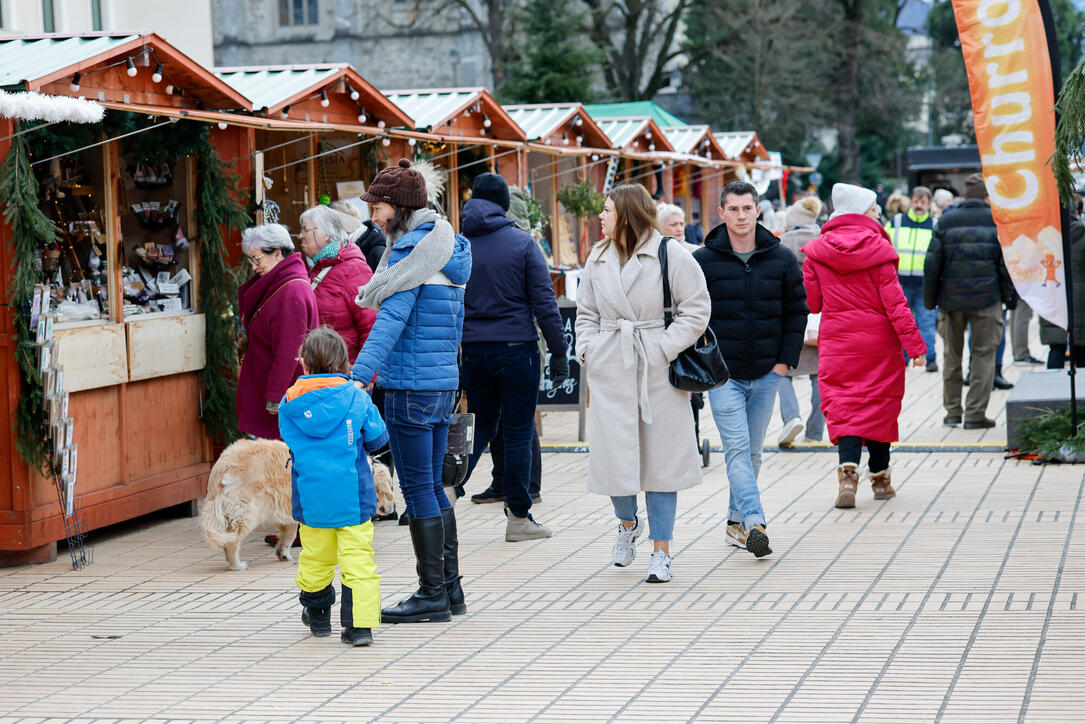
[1009,77]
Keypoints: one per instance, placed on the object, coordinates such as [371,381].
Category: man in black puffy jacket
[759,319]
[965,276]
[370,239]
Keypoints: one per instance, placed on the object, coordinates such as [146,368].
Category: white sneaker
[625,548]
[791,430]
[659,568]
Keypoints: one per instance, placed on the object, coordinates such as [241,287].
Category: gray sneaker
[659,568]
[520,529]
[625,548]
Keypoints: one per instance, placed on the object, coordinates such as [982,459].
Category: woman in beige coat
[640,427]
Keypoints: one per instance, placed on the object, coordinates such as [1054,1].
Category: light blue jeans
[742,410]
[661,510]
[789,407]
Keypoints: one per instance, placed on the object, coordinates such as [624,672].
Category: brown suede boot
[848,475]
[883,486]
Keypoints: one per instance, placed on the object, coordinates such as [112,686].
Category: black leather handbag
[698,368]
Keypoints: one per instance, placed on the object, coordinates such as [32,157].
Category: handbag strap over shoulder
[272,296]
[668,315]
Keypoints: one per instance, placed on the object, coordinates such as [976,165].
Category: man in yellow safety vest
[911,235]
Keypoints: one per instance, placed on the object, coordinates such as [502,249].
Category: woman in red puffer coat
[850,274]
[336,270]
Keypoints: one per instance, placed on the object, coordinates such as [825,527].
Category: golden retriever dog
[250,487]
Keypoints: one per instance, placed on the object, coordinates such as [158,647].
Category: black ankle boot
[318,610]
[351,635]
[430,601]
[452,563]
[1000,382]
[357,636]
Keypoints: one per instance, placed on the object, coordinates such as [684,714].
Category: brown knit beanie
[398,185]
[974,188]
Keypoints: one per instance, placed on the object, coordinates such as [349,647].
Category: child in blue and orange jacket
[330,425]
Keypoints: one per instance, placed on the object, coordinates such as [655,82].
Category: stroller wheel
[706,452]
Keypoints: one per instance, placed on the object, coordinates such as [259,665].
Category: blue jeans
[502,385]
[925,319]
[742,410]
[418,434]
[789,406]
[661,511]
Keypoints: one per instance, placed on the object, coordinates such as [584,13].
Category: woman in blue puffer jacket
[418,292]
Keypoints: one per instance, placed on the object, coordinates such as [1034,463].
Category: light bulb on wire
[324,102]
[130,68]
[156,76]
[75,81]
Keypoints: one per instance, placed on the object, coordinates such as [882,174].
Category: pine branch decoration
[1069,133]
[30,230]
[217,209]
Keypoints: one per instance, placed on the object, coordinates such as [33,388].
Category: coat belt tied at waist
[632,345]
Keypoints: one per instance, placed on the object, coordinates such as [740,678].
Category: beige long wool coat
[640,428]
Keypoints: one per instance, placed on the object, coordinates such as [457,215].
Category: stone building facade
[393,43]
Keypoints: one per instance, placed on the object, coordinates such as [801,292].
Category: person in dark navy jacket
[509,291]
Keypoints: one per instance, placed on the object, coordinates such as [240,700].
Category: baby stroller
[696,400]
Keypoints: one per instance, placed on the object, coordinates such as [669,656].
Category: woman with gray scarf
[417,290]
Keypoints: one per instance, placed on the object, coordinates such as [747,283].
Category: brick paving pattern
[963,599]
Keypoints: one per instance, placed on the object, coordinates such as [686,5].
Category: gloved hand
[559,370]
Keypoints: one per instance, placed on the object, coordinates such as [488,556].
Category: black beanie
[491,187]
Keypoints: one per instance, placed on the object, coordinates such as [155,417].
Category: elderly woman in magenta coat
[851,278]
[277,310]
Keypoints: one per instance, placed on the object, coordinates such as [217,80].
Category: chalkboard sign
[568,393]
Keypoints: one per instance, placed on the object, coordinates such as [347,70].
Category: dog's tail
[224,518]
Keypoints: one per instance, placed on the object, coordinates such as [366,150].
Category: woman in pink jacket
[337,269]
[850,274]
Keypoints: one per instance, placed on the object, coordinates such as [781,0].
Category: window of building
[48,17]
[96,14]
[298,12]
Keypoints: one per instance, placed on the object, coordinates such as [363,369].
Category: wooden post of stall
[490,155]
[706,205]
[555,214]
[190,223]
[453,192]
[521,168]
[112,221]
[313,169]
[258,174]
[583,246]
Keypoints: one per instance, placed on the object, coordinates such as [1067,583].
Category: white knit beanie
[848,199]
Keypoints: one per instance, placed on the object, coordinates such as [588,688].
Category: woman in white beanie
[850,274]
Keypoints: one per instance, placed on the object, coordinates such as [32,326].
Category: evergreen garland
[30,230]
[218,209]
[1070,132]
[1046,435]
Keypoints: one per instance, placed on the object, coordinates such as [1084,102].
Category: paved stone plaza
[961,599]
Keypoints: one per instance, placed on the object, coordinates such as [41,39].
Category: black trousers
[850,448]
[497,454]
[1056,358]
